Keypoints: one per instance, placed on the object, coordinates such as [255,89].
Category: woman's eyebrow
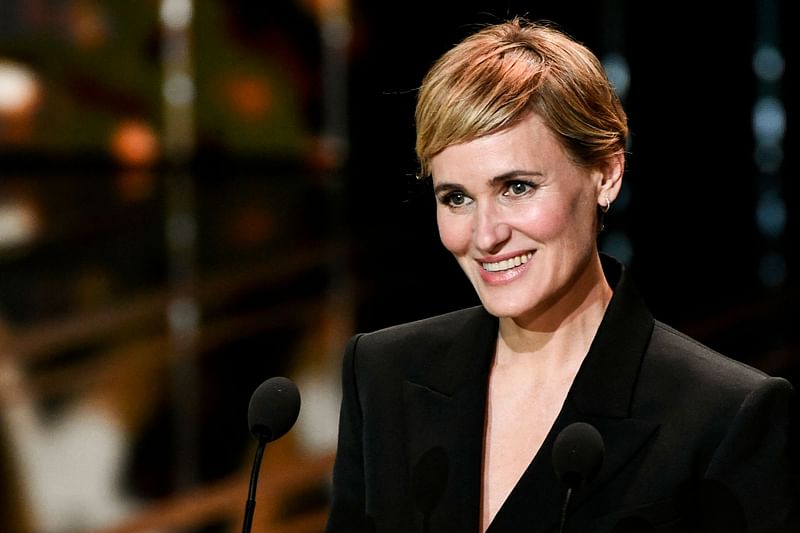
[447,187]
[513,174]
[492,182]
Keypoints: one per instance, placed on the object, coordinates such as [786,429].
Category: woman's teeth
[505,264]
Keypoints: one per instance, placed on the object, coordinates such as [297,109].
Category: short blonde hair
[500,74]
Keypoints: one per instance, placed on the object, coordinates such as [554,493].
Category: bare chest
[518,418]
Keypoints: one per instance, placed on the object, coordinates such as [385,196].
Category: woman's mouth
[507,264]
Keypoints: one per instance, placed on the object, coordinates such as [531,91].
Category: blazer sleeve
[752,476]
[347,513]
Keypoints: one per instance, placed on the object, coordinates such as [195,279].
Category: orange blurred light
[250,96]
[87,24]
[327,8]
[134,143]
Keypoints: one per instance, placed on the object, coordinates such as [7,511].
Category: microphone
[578,453]
[272,412]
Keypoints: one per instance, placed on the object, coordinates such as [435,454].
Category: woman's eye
[455,199]
[518,188]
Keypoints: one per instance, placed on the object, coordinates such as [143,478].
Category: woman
[449,423]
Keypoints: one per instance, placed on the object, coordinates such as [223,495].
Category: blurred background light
[769,120]
[19,88]
[134,143]
[618,73]
[768,157]
[19,224]
[176,14]
[771,214]
[179,89]
[768,63]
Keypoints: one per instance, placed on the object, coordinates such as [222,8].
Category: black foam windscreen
[578,453]
[274,407]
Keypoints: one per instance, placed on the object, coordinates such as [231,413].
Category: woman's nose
[490,230]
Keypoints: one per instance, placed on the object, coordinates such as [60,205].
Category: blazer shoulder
[694,390]
[695,363]
[426,329]
[418,338]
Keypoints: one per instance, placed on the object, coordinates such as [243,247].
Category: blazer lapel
[602,395]
[444,410]
[444,413]
[535,503]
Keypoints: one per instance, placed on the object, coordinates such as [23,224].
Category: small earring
[605,208]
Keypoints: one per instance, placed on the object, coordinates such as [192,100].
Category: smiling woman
[513,202]
[524,140]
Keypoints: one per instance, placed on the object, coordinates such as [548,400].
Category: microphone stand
[567,497]
[273,409]
[250,506]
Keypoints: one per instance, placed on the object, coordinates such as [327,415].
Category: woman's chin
[506,309]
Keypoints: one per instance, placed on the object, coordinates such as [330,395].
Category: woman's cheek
[454,232]
[542,223]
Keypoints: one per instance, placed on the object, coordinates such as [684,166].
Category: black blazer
[694,441]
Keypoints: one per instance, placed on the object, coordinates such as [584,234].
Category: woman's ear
[610,180]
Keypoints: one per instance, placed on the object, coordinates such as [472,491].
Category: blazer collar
[605,382]
[445,408]
[465,358]
[601,394]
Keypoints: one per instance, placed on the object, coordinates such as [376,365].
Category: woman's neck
[564,330]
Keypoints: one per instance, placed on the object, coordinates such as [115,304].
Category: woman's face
[519,216]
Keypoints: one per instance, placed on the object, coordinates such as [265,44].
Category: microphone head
[273,409]
[578,453]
